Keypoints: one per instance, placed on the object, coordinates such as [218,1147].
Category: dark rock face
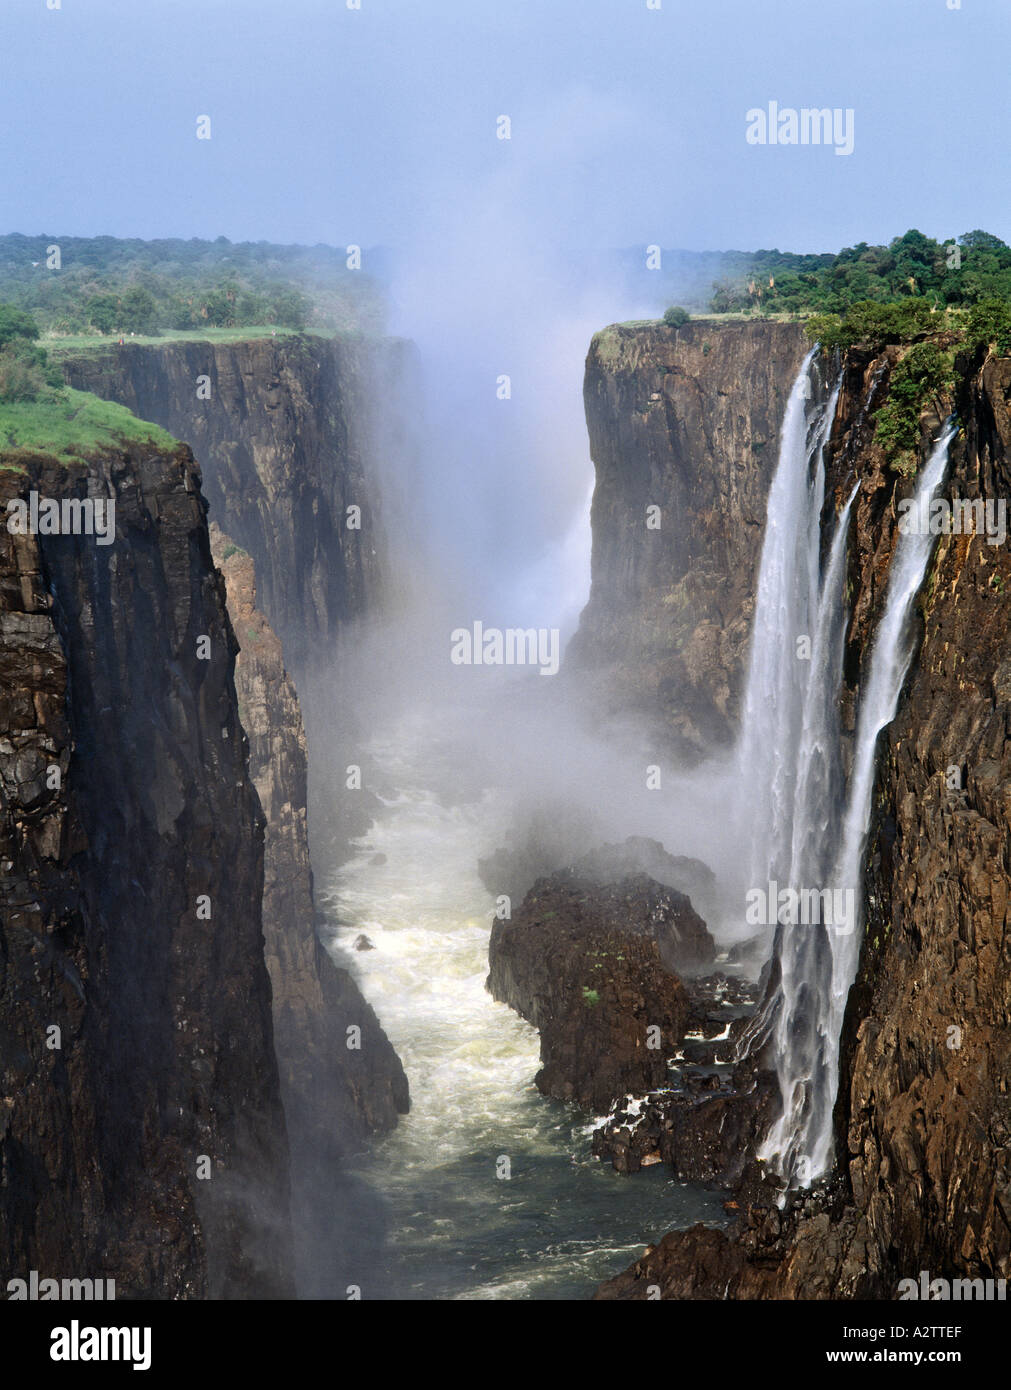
[637,854]
[341,1080]
[924,1116]
[592,967]
[548,837]
[704,1122]
[922,1119]
[130,906]
[697,1263]
[287,441]
[332,1092]
[686,420]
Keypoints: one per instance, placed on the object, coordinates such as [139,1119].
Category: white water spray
[818,963]
[889,663]
[801,948]
[778,682]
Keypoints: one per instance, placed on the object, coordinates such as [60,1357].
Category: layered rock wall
[923,1116]
[333,1094]
[141,1131]
[290,432]
[685,420]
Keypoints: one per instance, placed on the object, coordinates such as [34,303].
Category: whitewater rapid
[562,1221]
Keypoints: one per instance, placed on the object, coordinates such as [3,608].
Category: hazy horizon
[628,123]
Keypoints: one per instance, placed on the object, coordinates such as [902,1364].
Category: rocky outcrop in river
[594,966]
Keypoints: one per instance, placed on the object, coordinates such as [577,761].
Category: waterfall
[786,601]
[889,662]
[818,962]
[801,949]
[778,682]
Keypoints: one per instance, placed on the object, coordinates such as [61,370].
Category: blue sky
[337,125]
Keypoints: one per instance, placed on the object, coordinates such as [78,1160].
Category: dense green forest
[75,285]
[958,272]
[932,298]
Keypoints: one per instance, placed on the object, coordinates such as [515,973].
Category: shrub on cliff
[989,325]
[15,324]
[872,324]
[924,374]
[20,379]
[675,316]
[828,331]
[25,369]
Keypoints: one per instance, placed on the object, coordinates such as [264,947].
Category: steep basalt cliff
[336,1093]
[923,1115]
[686,420]
[341,1080]
[141,1130]
[290,433]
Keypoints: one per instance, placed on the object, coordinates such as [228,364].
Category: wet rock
[923,1118]
[334,1096]
[285,445]
[593,966]
[703,1121]
[687,422]
[553,840]
[548,838]
[638,854]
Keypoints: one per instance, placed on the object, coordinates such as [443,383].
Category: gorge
[807,1079]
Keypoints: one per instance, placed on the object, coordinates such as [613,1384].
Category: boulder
[596,968]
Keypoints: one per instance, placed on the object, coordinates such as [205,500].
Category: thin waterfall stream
[790,751]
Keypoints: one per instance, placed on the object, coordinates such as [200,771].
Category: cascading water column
[803,952]
[787,590]
[819,962]
[889,662]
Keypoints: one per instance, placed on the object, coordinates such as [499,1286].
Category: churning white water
[492,1189]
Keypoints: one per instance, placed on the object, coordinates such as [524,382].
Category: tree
[25,370]
[827,330]
[291,308]
[978,239]
[179,313]
[20,380]
[138,311]
[924,373]
[989,323]
[15,323]
[675,316]
[103,312]
[219,309]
